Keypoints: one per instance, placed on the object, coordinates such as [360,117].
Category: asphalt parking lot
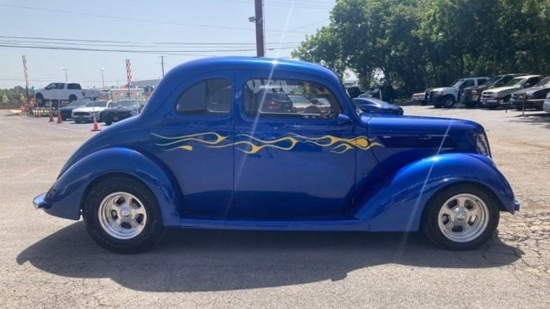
[48,262]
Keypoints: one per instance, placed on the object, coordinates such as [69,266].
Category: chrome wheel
[122,215]
[463,218]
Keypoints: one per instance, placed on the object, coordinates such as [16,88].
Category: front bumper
[533,103]
[40,202]
[490,102]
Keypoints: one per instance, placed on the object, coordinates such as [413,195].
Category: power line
[176,52]
[89,14]
[127,43]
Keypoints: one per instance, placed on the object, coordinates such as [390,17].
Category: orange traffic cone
[96,126]
[51,115]
[59,119]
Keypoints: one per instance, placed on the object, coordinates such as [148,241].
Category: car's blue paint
[402,195]
[233,171]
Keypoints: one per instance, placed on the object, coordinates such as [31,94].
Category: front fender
[399,205]
[65,197]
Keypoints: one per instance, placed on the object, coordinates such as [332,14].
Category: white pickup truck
[63,92]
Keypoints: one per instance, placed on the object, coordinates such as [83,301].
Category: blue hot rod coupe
[221,146]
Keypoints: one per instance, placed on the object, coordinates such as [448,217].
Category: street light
[102,79]
[66,78]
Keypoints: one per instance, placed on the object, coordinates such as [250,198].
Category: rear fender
[66,196]
[399,204]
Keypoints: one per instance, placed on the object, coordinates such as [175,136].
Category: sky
[89,41]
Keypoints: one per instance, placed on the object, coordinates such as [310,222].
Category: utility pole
[162,64]
[102,79]
[65,69]
[259,19]
[26,76]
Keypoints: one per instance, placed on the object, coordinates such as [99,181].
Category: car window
[209,97]
[532,81]
[467,83]
[289,99]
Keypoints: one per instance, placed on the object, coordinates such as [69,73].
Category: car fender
[73,184]
[399,204]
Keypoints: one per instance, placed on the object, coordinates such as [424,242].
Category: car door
[195,143]
[291,164]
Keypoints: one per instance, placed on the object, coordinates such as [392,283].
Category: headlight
[482,144]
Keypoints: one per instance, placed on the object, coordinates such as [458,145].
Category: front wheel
[122,215]
[448,101]
[462,217]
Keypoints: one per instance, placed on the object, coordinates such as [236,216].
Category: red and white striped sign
[129,72]
[25,69]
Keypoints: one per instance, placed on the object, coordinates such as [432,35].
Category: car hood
[399,140]
[443,89]
[417,125]
[89,109]
[503,89]
[376,106]
[120,109]
[532,89]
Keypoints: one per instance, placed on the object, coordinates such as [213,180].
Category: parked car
[90,111]
[448,96]
[498,97]
[546,104]
[63,92]
[531,97]
[121,110]
[311,105]
[382,91]
[66,112]
[472,95]
[178,165]
[299,102]
[375,106]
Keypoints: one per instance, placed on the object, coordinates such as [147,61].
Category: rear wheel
[122,215]
[72,97]
[462,217]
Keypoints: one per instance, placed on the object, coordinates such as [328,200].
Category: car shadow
[212,260]
[534,118]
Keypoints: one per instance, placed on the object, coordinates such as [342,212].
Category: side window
[531,82]
[209,97]
[467,83]
[286,98]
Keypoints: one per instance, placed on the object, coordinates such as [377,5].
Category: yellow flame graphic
[214,140]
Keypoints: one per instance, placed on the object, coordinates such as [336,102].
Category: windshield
[97,104]
[457,83]
[545,82]
[516,82]
[493,80]
[128,103]
[79,103]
